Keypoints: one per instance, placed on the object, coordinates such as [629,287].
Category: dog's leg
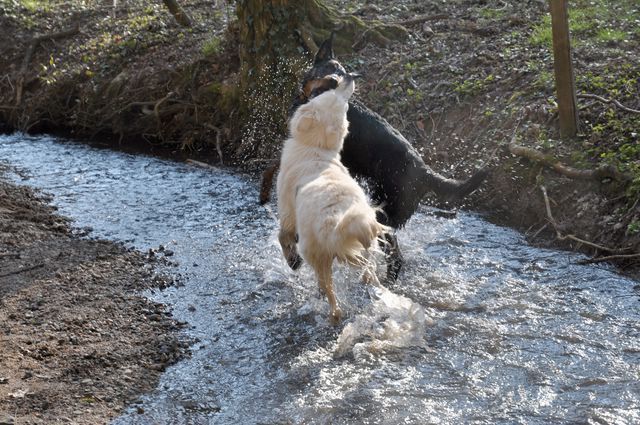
[267,182]
[369,270]
[287,238]
[392,255]
[325,282]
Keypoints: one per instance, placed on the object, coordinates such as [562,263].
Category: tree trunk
[563,66]
[176,10]
[278,39]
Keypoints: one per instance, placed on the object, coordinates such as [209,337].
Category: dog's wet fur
[324,214]
[397,177]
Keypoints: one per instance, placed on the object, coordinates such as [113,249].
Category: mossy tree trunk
[278,39]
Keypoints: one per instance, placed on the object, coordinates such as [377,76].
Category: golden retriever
[321,207]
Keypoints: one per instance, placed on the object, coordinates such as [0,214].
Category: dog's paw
[335,317]
[369,277]
[294,261]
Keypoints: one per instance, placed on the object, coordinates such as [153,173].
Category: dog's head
[325,74]
[322,121]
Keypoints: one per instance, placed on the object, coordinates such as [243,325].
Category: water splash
[393,322]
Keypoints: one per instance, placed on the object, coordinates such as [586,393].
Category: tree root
[618,253]
[609,258]
[424,18]
[605,100]
[602,172]
[218,145]
[178,13]
[33,44]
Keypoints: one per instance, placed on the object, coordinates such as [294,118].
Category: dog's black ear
[325,52]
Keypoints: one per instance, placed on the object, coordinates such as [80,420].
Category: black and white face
[322,77]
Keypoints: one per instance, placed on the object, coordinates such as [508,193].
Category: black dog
[397,176]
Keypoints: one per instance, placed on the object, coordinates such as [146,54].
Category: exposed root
[602,172]
[605,100]
[610,258]
[33,44]
[218,139]
[422,19]
[562,237]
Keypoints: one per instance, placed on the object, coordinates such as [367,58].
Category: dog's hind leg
[392,255]
[325,281]
[287,239]
[267,181]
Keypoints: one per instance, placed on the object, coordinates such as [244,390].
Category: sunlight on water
[480,329]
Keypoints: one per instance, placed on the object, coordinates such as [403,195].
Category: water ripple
[480,329]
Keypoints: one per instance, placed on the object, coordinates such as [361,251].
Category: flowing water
[480,329]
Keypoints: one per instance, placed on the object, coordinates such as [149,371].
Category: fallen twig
[199,163]
[26,269]
[423,18]
[218,147]
[605,100]
[609,258]
[562,237]
[602,172]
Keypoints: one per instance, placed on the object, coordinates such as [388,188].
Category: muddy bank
[77,341]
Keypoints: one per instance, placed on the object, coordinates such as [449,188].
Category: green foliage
[592,21]
[212,46]
[411,67]
[610,34]
[473,86]
[544,80]
[415,94]
[613,133]
[36,5]
[633,227]
[541,35]
[491,13]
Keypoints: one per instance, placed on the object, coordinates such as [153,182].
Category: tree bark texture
[563,65]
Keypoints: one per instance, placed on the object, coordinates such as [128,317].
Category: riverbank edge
[79,343]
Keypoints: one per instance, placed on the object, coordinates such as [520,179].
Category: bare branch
[562,237]
[424,18]
[33,44]
[605,100]
[602,172]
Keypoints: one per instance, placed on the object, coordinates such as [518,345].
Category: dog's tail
[450,189]
[355,232]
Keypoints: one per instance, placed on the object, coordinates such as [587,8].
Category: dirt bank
[77,341]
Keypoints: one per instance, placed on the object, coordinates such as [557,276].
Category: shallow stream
[480,329]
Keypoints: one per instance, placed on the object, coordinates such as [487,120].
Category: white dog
[320,206]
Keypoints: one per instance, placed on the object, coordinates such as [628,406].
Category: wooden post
[563,66]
